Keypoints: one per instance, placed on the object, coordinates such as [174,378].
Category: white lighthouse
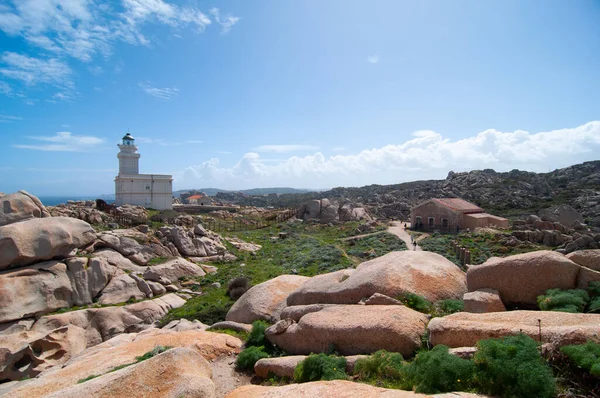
[149,190]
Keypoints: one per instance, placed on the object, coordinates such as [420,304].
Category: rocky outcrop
[20,206]
[48,286]
[326,211]
[178,372]
[124,349]
[586,258]
[298,311]
[53,339]
[84,210]
[190,244]
[172,270]
[128,247]
[280,367]
[425,273]
[266,300]
[41,239]
[351,329]
[564,214]
[483,300]
[465,329]
[336,388]
[121,289]
[521,278]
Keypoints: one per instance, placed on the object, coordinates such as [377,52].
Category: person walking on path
[414,245]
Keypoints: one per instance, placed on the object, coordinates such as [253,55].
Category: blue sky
[307,94]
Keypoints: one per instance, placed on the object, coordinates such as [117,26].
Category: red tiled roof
[458,204]
[195,197]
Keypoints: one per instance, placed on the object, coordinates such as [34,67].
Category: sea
[56,200]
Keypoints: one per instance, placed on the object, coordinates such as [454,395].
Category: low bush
[585,356]
[416,302]
[237,287]
[154,352]
[381,367]
[594,292]
[512,367]
[573,300]
[450,306]
[247,358]
[320,367]
[257,338]
[438,371]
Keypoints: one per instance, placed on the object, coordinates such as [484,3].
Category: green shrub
[450,306]
[257,338]
[437,371]
[320,367]
[585,356]
[594,305]
[594,289]
[512,367]
[247,358]
[381,366]
[416,302]
[573,300]
[157,350]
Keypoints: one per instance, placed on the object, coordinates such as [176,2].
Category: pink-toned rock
[425,273]
[336,388]
[465,329]
[173,270]
[298,311]
[178,372]
[381,299]
[586,258]
[483,300]
[352,329]
[20,206]
[521,278]
[266,300]
[40,239]
[124,349]
[280,367]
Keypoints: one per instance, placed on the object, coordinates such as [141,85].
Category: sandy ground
[397,228]
[226,378]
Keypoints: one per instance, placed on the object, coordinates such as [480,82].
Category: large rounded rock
[124,349]
[586,258]
[352,329]
[265,300]
[20,206]
[178,372]
[521,278]
[466,329]
[336,388]
[427,274]
[40,239]
[173,270]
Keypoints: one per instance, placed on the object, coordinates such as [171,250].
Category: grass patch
[158,260]
[382,369]
[235,333]
[374,246]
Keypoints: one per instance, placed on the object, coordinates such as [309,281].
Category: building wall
[146,190]
[438,213]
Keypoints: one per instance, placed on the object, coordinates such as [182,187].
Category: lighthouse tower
[128,156]
[149,190]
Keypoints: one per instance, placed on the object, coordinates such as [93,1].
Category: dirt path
[397,228]
[226,378]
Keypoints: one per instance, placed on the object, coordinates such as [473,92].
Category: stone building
[149,190]
[200,200]
[452,214]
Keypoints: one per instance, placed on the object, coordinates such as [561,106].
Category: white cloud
[9,118]
[284,148]
[162,93]
[373,59]
[157,141]
[63,142]
[5,89]
[426,155]
[226,21]
[85,29]
[32,71]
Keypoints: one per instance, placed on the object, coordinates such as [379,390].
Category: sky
[306,94]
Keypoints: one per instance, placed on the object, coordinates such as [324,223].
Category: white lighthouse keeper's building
[149,190]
